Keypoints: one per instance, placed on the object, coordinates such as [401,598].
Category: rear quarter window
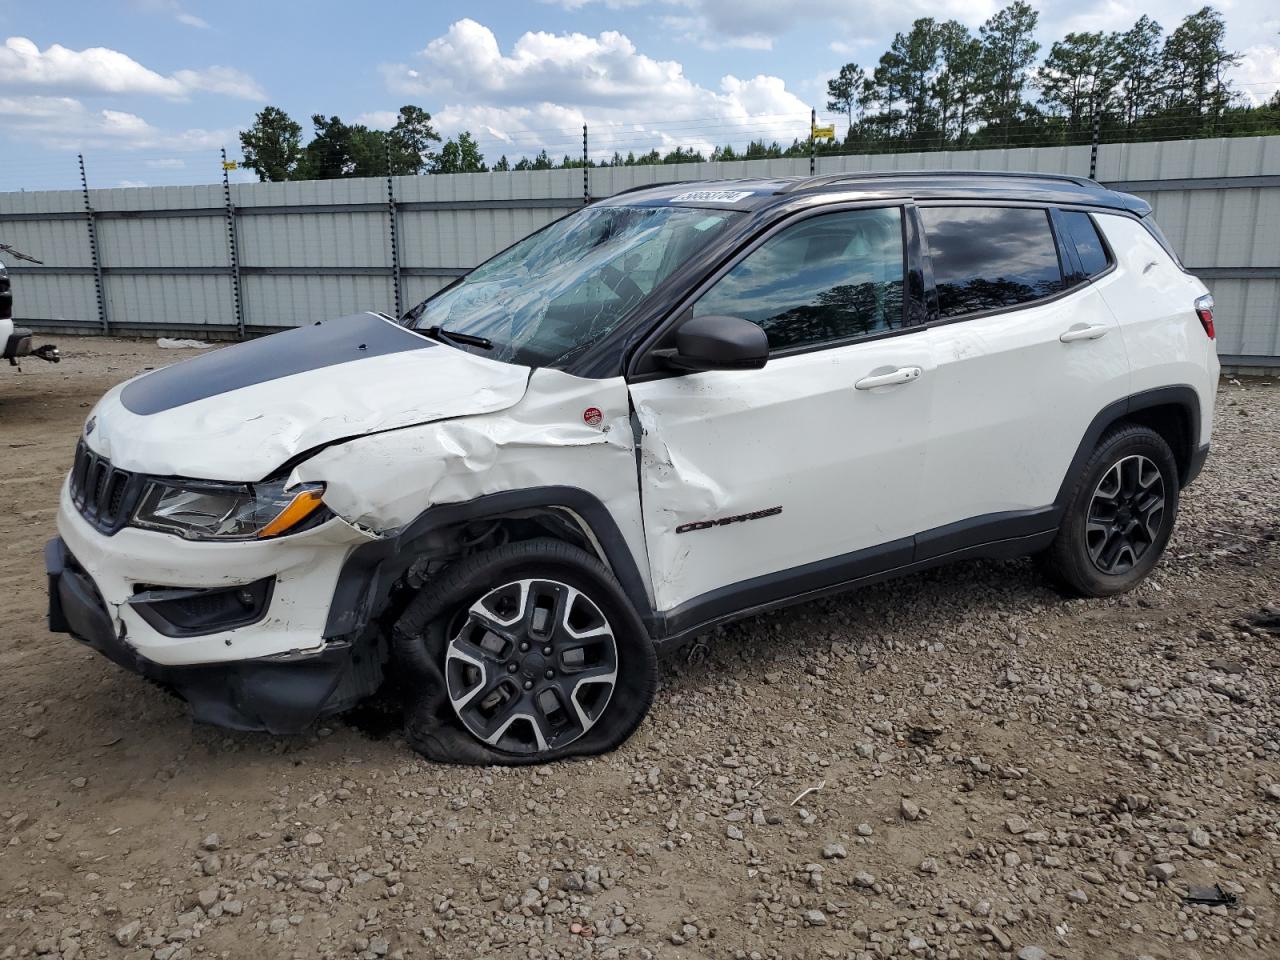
[989,258]
[1083,235]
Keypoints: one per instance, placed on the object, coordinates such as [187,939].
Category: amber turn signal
[300,507]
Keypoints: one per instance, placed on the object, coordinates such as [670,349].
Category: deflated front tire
[524,654]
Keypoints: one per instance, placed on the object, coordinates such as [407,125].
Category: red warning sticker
[592,416]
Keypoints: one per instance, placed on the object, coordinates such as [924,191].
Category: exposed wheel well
[1173,422]
[376,576]
[429,555]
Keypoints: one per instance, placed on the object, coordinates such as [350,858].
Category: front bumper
[271,670]
[303,568]
[279,695]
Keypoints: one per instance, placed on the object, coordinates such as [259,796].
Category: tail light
[1204,310]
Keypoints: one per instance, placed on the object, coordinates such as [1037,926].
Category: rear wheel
[1119,516]
[524,654]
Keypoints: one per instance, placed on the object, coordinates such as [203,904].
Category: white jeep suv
[681,405]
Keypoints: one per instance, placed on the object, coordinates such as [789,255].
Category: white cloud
[697,30]
[64,123]
[379,119]
[100,70]
[542,91]
[723,23]
[1258,75]
[172,8]
[608,4]
[227,81]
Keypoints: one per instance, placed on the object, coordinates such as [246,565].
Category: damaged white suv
[678,406]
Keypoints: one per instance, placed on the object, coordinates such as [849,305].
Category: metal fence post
[813,141]
[1097,129]
[393,226]
[586,181]
[232,250]
[91,221]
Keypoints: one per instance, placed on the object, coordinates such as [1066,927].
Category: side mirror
[717,343]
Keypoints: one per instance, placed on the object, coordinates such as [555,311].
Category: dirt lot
[960,764]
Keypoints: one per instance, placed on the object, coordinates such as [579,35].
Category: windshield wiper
[455,338]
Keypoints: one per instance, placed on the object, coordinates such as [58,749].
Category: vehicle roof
[761,193]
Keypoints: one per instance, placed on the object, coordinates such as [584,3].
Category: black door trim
[998,536]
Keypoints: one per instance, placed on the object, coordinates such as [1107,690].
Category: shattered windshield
[560,290]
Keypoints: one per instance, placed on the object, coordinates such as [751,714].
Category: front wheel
[1119,516]
[523,654]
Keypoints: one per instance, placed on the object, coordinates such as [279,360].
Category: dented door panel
[721,450]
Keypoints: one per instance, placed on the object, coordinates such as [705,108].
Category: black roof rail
[675,183]
[805,183]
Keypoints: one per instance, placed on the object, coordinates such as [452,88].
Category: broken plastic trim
[1213,896]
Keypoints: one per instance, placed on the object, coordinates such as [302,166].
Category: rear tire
[524,654]
[1120,515]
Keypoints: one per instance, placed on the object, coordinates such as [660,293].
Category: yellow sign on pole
[824,133]
[229,165]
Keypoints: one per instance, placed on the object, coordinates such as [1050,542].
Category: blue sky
[149,89]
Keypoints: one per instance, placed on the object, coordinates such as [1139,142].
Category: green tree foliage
[1140,70]
[460,156]
[272,147]
[1008,51]
[683,155]
[844,91]
[1080,73]
[410,142]
[955,86]
[540,162]
[1195,62]
[341,149]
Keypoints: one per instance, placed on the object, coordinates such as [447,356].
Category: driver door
[757,485]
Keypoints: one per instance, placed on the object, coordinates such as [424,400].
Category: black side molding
[860,568]
[989,528]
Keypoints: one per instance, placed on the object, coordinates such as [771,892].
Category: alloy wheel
[532,666]
[1125,514]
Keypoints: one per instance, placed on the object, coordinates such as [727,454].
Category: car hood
[241,412]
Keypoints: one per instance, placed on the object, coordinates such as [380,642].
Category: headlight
[227,511]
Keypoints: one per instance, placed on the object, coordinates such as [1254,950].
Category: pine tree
[1008,51]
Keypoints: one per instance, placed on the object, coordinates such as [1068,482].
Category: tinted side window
[1084,235]
[828,278]
[985,258]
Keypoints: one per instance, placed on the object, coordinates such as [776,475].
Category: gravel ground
[958,764]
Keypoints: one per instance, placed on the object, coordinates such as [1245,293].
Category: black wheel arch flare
[1186,447]
[365,581]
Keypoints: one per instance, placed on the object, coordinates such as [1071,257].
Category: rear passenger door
[1026,352]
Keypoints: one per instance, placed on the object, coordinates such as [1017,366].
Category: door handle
[901,375]
[1082,331]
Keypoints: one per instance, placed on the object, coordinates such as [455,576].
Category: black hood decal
[321,344]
